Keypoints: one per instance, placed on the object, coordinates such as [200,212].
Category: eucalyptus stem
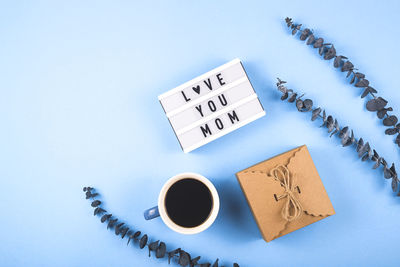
[183,258]
[364,150]
[328,52]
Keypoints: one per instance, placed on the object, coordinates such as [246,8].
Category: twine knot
[292,209]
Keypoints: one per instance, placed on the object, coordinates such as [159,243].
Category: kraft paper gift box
[285,193]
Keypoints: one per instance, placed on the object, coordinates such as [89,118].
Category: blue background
[79,82]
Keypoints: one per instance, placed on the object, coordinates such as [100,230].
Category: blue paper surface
[79,82]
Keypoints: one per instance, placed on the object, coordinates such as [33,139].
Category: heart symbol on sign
[196,89]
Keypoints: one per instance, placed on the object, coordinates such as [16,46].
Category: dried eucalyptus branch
[328,51]
[182,257]
[364,150]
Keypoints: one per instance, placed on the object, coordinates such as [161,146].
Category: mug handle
[151,213]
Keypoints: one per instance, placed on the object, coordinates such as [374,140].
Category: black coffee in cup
[188,202]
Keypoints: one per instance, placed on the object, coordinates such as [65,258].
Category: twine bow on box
[292,210]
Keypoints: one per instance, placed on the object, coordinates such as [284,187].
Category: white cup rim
[185,230]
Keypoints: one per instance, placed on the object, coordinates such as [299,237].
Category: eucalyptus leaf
[311,39]
[292,98]
[305,34]
[136,234]
[346,142]
[383,161]
[117,228]
[284,96]
[98,210]
[375,156]
[111,223]
[365,93]
[347,66]
[346,139]
[318,42]
[143,241]
[90,194]
[330,53]
[315,114]
[215,263]
[321,50]
[96,203]
[376,104]
[105,217]
[330,123]
[381,113]
[365,157]
[160,252]
[288,21]
[184,258]
[336,127]
[280,81]
[337,62]
[377,164]
[307,104]
[360,144]
[344,132]
[323,118]
[397,141]
[386,173]
[194,261]
[123,232]
[153,245]
[359,75]
[393,170]
[372,90]
[353,79]
[390,121]
[299,104]
[362,83]
[172,253]
[130,237]
[369,150]
[365,148]
[353,140]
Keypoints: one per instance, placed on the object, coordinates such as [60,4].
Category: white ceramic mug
[160,210]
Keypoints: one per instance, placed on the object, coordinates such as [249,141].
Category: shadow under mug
[161,210]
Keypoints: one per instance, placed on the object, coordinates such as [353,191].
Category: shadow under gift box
[273,199]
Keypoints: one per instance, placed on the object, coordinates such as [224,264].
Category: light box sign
[211,105]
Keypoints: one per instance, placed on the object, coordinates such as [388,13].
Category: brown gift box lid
[261,191]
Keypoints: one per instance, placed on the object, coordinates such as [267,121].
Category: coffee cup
[188,203]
